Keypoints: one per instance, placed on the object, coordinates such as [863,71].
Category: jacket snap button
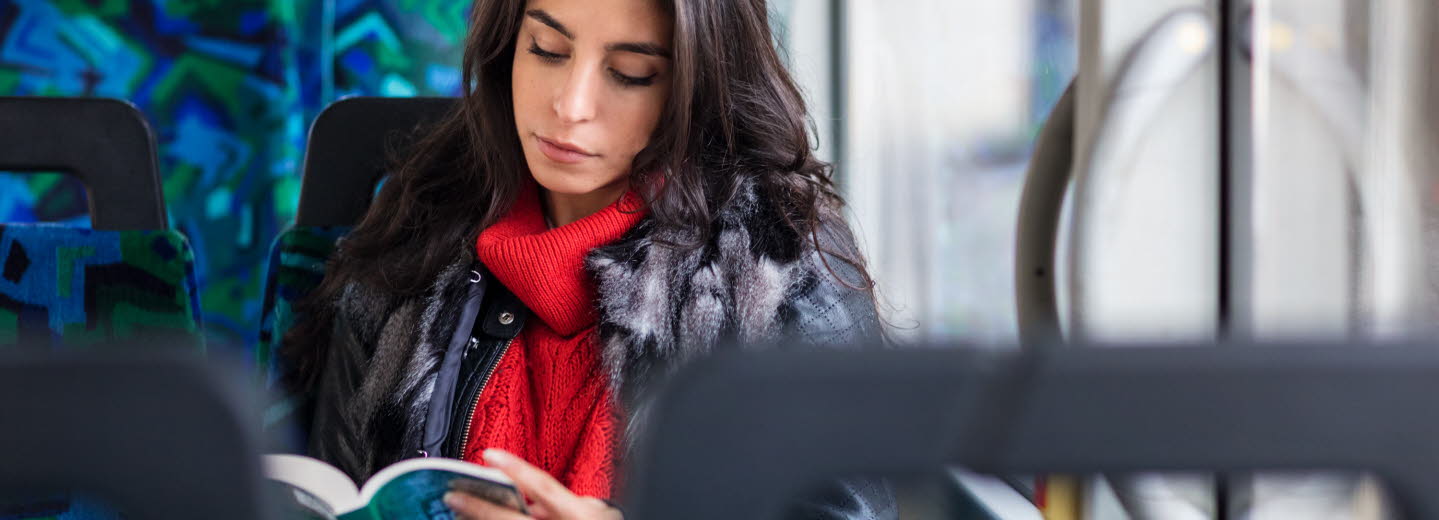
[506,318]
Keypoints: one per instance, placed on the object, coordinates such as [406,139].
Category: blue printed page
[415,489]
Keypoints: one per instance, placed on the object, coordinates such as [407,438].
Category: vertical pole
[1240,51]
[1235,32]
[839,95]
[1228,10]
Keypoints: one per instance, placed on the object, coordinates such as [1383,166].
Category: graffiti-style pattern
[396,48]
[230,88]
[213,78]
[72,286]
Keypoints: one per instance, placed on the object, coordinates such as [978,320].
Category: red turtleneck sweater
[549,400]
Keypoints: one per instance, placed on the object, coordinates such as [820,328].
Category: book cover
[410,489]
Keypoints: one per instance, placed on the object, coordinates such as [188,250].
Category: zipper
[470,412]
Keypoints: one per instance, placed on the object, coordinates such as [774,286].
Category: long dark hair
[734,116]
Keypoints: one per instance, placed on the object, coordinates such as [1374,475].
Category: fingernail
[452,499]
[497,457]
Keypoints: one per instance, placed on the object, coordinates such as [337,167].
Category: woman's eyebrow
[648,49]
[545,18]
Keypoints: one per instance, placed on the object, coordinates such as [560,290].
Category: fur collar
[659,307]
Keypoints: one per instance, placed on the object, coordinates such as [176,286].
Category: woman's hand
[549,499]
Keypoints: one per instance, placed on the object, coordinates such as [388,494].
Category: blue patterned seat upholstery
[72,286]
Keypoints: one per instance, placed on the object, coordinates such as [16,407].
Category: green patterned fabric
[72,287]
[296,266]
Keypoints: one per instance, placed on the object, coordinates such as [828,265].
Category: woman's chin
[572,184]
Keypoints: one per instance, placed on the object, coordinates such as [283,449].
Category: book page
[294,503]
[416,488]
[317,478]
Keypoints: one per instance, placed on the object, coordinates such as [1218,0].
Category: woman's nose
[576,101]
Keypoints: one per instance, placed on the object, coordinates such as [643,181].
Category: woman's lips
[561,153]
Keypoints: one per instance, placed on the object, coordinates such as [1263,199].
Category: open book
[413,488]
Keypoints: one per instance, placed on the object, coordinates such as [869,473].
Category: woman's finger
[471,507]
[607,511]
[537,485]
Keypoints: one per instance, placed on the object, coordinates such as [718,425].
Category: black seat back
[346,154]
[106,143]
[345,158]
[739,435]
[155,433]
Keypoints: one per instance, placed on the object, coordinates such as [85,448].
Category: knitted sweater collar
[545,268]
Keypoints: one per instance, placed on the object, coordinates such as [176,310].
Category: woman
[627,185]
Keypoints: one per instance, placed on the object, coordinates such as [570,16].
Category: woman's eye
[632,81]
[544,55]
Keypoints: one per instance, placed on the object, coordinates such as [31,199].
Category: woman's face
[590,80]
